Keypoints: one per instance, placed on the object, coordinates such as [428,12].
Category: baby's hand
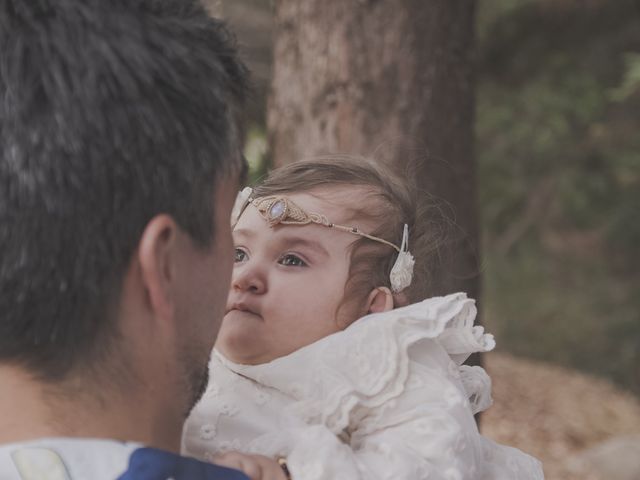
[256,467]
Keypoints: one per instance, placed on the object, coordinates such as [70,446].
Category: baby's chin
[241,356]
[242,345]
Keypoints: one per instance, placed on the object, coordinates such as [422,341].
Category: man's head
[117,127]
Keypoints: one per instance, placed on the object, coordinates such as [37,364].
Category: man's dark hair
[111,112]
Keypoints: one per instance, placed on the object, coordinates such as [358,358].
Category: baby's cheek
[349,309]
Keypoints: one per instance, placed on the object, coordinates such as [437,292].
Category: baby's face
[288,281]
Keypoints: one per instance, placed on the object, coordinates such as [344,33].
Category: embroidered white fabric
[385,398]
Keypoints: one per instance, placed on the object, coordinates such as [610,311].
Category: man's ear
[157,254]
[379,300]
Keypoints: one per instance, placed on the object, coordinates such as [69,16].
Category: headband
[279,210]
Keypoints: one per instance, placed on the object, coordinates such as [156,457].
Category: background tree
[391,79]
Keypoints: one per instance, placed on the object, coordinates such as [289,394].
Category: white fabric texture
[385,398]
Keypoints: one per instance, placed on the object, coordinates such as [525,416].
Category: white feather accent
[240,204]
[402,272]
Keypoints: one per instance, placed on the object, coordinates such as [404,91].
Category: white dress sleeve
[388,398]
[427,432]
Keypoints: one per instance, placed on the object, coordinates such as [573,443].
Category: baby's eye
[290,260]
[240,255]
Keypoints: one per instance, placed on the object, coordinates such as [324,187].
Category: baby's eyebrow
[244,232]
[304,242]
[287,241]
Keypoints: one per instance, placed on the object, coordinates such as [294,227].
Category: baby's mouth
[242,308]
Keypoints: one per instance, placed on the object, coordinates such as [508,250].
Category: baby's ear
[379,300]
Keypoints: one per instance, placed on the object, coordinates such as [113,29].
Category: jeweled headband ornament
[278,210]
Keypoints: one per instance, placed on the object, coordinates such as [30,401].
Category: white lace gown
[387,398]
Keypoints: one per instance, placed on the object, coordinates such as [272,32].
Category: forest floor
[555,414]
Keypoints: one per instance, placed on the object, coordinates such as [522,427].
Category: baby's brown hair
[389,203]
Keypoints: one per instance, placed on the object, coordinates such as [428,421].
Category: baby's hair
[388,203]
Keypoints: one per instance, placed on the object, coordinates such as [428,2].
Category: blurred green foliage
[558,123]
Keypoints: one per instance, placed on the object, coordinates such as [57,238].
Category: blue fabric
[152,464]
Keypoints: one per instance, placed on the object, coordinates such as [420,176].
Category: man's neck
[32,409]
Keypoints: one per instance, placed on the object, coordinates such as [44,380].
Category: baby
[320,361]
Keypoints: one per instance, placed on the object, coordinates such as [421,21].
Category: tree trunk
[390,78]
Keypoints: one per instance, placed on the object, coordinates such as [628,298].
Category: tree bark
[385,78]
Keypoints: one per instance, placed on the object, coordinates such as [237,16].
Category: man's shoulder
[151,464]
[95,459]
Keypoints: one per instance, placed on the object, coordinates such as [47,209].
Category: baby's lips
[242,307]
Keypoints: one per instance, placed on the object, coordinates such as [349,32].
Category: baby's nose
[249,279]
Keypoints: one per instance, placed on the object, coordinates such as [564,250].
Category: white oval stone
[277,210]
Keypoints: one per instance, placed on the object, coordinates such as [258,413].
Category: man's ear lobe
[157,254]
[379,300]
